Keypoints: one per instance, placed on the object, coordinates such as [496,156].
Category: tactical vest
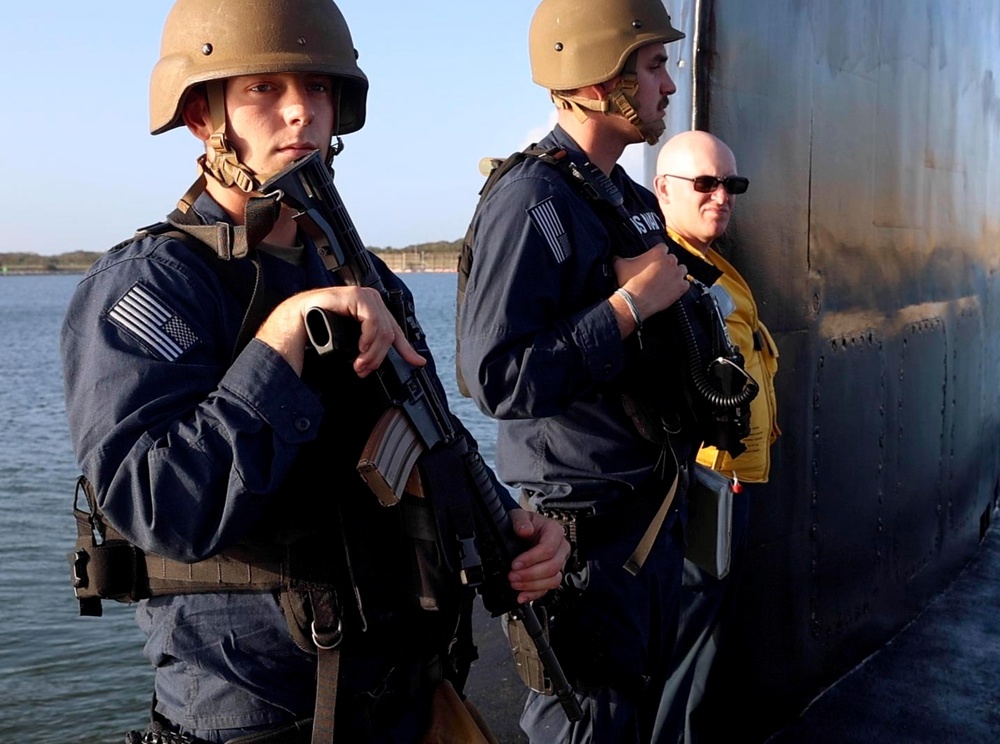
[342,563]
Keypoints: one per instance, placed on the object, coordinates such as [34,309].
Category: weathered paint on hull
[870,130]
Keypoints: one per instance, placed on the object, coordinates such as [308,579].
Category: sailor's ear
[196,114]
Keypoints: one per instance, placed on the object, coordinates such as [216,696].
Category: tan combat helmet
[207,41]
[575,43]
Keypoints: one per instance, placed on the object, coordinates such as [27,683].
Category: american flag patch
[547,221]
[145,316]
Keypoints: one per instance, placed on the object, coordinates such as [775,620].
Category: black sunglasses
[708,184]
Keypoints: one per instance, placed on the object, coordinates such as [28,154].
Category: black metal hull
[870,130]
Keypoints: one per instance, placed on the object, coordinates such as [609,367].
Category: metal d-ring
[338,636]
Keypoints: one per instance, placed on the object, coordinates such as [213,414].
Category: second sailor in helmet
[559,284]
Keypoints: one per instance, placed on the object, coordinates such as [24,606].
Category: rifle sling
[441,469]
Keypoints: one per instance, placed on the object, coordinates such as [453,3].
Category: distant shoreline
[41,272]
[437,258]
[81,272]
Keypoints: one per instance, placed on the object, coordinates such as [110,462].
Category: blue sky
[450,83]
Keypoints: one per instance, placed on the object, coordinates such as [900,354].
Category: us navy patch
[144,315]
[547,221]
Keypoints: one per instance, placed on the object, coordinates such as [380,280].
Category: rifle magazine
[389,456]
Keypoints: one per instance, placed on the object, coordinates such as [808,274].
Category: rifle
[417,419]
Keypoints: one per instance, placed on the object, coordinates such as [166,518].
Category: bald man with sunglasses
[696,186]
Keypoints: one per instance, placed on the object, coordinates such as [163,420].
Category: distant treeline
[33,263]
[438,256]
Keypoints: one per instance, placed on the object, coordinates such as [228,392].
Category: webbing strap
[641,552]
[106,566]
[327,674]
[327,633]
[216,242]
[232,241]
[227,572]
[115,569]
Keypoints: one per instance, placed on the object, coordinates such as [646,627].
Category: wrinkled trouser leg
[705,606]
[621,628]
[608,716]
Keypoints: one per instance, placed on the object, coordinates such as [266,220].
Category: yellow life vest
[761,363]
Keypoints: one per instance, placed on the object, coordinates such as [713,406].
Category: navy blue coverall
[542,352]
[192,450]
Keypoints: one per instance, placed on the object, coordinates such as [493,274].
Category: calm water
[64,678]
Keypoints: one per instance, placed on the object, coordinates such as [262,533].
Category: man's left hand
[538,569]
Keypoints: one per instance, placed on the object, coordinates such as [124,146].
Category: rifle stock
[417,419]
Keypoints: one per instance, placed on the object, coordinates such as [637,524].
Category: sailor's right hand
[655,279]
[285,328]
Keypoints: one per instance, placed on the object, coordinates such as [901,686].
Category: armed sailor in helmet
[582,333]
[219,452]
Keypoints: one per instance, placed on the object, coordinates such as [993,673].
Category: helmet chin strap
[620,100]
[623,101]
[224,165]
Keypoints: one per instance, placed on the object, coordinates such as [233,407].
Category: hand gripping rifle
[417,420]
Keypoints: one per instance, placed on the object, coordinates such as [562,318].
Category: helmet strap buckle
[623,101]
